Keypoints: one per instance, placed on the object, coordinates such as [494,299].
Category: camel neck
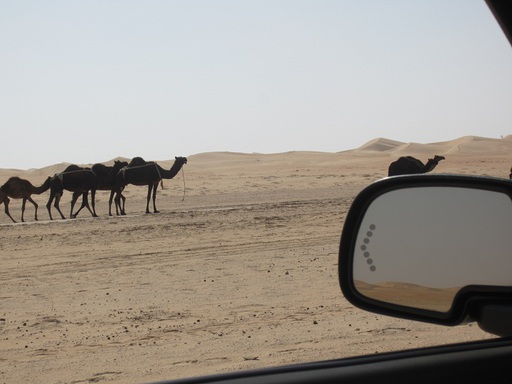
[43,187]
[431,164]
[169,174]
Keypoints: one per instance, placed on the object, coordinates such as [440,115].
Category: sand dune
[466,145]
[238,271]
[380,145]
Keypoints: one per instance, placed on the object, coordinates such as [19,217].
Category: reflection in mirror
[418,247]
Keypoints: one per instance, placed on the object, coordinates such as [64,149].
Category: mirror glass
[419,246]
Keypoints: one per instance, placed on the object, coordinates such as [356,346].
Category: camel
[85,203]
[148,173]
[135,162]
[106,182]
[18,188]
[407,165]
[77,180]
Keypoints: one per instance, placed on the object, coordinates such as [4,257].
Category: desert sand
[237,271]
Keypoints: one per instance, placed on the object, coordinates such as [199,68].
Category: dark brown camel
[18,188]
[408,165]
[135,162]
[149,174]
[106,182]
[76,195]
[77,180]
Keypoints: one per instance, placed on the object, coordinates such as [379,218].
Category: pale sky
[88,81]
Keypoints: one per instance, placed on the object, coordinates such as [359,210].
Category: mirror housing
[433,248]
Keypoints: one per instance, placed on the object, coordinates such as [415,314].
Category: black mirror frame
[466,301]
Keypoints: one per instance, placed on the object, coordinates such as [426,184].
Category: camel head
[432,163]
[118,164]
[180,160]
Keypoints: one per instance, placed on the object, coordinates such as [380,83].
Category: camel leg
[122,205]
[84,202]
[118,209]
[149,197]
[93,202]
[155,187]
[49,206]
[6,203]
[35,206]
[55,193]
[56,205]
[124,202]
[117,199]
[73,201]
[87,205]
[23,203]
[110,203]
[117,202]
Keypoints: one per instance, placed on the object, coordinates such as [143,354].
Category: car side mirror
[435,248]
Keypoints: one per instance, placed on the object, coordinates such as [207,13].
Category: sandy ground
[240,274]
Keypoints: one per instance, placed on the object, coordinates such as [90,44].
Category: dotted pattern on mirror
[364,248]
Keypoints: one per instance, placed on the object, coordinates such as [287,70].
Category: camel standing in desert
[408,165]
[134,162]
[106,182]
[150,174]
[80,181]
[76,195]
[18,188]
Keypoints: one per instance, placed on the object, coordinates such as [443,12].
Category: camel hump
[101,169]
[404,165]
[412,159]
[72,167]
[138,161]
[4,187]
[13,179]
